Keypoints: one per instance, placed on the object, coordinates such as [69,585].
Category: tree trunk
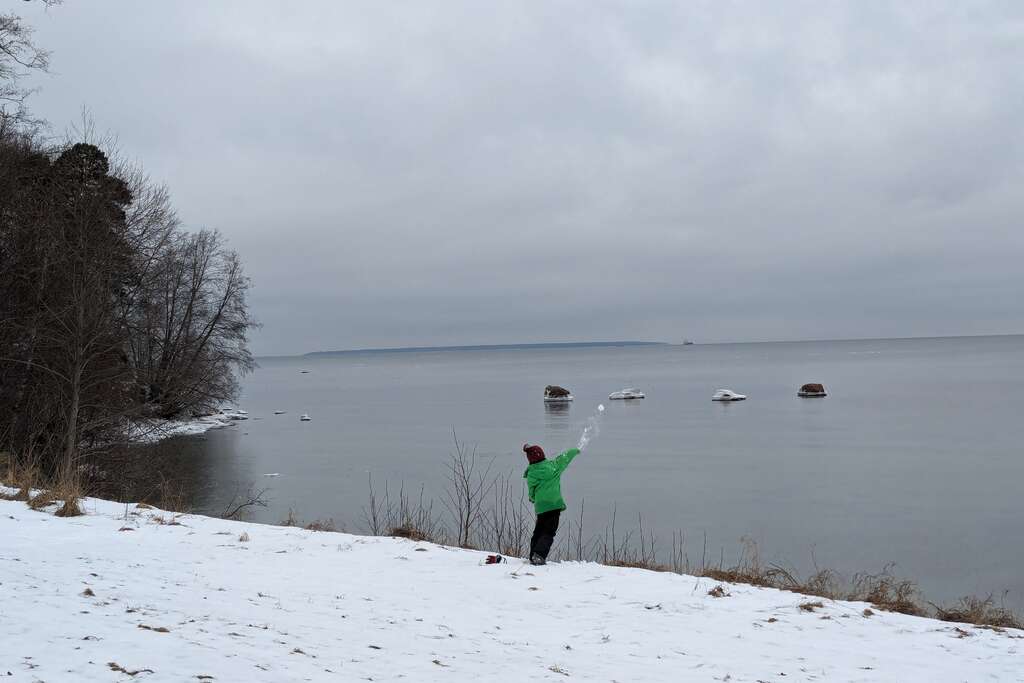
[71,437]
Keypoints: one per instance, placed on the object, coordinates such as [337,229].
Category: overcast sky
[450,172]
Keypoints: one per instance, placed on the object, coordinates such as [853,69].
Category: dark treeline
[110,312]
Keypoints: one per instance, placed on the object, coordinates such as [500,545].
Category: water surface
[914,457]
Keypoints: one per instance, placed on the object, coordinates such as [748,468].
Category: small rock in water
[600,408]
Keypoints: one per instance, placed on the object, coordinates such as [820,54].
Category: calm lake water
[914,457]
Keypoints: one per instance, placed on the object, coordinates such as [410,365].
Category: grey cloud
[408,174]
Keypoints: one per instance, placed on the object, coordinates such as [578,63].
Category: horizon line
[579,344]
[486,347]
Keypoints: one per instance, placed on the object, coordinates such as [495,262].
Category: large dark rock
[812,390]
[555,391]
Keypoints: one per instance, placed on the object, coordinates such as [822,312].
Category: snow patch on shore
[184,597]
[153,430]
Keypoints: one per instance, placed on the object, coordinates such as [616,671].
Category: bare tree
[19,55]
[190,331]
[109,311]
[67,326]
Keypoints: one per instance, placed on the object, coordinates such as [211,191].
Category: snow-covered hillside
[121,590]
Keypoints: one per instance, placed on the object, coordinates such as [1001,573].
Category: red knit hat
[533,453]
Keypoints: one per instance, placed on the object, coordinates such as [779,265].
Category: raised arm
[563,460]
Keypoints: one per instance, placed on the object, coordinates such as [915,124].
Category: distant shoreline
[487,347]
[607,344]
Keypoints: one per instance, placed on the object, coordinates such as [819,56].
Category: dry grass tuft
[810,606]
[25,478]
[639,563]
[411,532]
[981,612]
[750,570]
[321,525]
[244,538]
[67,492]
[87,593]
[291,519]
[41,500]
[824,583]
[886,592]
[70,508]
[718,592]
[165,521]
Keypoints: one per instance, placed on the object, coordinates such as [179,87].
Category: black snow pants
[544,533]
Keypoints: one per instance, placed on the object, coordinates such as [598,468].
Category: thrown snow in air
[591,430]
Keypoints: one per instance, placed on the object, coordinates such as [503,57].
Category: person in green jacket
[544,485]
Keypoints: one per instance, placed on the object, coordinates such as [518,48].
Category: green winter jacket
[544,481]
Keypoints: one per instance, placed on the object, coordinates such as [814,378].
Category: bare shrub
[751,570]
[622,552]
[372,513]
[170,496]
[469,485]
[403,518]
[241,503]
[506,524]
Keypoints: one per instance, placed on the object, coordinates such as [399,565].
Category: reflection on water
[196,473]
[556,416]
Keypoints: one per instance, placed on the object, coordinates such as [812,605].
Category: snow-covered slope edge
[288,604]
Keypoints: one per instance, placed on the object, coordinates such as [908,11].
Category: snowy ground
[210,600]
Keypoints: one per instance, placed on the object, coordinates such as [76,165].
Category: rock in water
[812,390]
[555,391]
